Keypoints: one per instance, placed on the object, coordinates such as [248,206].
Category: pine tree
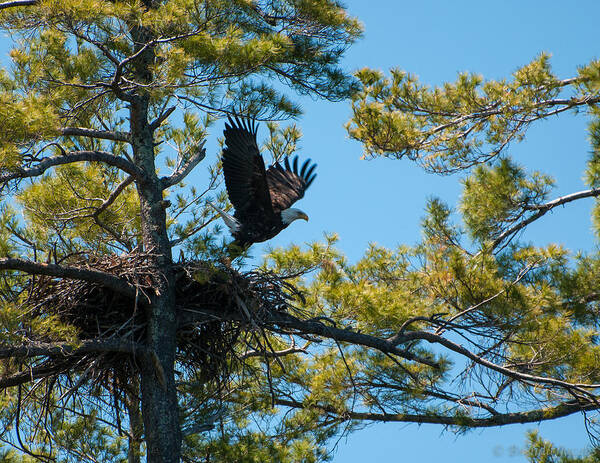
[105,113]
[89,113]
[530,310]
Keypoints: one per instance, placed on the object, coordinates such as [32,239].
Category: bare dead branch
[114,195]
[182,172]
[106,204]
[118,75]
[29,375]
[543,209]
[295,80]
[279,353]
[195,230]
[160,119]
[62,349]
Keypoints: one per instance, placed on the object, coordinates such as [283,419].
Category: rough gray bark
[158,393]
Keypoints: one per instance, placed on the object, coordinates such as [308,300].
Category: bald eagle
[261,198]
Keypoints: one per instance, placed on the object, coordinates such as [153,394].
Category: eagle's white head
[291,214]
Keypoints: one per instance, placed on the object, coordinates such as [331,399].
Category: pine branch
[102,134]
[573,388]
[283,322]
[498,109]
[390,346]
[75,273]
[76,156]
[319,328]
[531,416]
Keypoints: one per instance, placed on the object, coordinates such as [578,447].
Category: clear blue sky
[383,201]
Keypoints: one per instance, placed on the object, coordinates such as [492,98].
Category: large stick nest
[219,310]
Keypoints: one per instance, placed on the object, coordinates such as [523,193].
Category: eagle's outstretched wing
[244,170]
[286,184]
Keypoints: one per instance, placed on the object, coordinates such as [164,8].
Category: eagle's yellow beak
[304,216]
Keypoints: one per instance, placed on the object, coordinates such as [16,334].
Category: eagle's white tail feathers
[231,222]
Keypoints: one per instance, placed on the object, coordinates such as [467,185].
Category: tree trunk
[159,396]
